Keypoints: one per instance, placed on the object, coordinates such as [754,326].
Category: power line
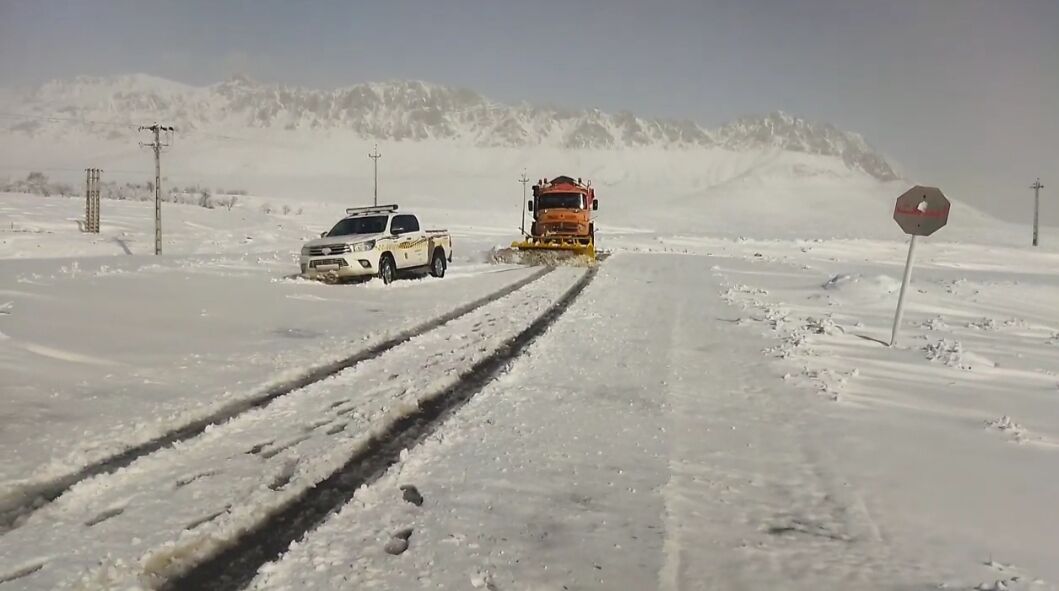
[9,115]
[62,169]
[130,126]
[223,136]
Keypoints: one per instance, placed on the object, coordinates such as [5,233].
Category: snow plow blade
[552,251]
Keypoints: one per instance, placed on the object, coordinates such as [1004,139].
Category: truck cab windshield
[375,224]
[561,201]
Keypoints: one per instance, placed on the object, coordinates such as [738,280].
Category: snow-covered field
[101,349]
[712,411]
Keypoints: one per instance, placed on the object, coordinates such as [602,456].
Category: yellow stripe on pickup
[412,244]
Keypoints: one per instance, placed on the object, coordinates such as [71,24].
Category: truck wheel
[387,269]
[438,263]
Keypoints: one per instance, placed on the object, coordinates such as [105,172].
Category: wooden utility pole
[1037,186]
[375,155]
[523,179]
[157,146]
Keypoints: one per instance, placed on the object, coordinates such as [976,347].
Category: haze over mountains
[402,111]
[459,153]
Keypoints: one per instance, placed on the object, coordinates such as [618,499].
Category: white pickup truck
[376,241]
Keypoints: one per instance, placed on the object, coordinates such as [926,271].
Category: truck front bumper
[353,264]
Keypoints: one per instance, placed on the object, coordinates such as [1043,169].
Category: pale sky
[963,94]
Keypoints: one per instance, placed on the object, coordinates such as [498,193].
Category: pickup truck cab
[376,241]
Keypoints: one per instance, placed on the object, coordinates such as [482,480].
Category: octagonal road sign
[921,211]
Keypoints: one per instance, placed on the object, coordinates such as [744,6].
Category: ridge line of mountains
[409,111]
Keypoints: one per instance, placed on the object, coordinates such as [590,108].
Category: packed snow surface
[682,458]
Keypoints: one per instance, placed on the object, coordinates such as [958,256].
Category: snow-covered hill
[458,154]
[403,111]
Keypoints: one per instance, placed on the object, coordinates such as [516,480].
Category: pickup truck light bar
[371,209]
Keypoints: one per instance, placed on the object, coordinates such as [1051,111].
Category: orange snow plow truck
[562,219]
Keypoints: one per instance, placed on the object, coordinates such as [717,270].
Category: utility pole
[523,179]
[92,200]
[157,146]
[1037,186]
[375,160]
[88,200]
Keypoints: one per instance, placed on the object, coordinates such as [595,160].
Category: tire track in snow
[21,572]
[160,536]
[29,498]
[235,567]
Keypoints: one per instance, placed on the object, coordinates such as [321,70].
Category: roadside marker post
[920,211]
[904,285]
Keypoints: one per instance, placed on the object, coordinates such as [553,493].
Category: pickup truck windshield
[561,200]
[374,224]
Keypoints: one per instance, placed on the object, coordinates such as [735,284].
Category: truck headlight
[364,246]
[305,251]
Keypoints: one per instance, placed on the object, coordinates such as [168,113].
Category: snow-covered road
[669,459]
[676,457]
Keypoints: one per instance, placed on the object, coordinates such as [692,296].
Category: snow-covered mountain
[403,111]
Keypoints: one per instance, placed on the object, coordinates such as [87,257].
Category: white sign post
[904,285]
[920,211]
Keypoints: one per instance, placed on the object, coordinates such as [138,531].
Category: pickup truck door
[421,243]
[412,242]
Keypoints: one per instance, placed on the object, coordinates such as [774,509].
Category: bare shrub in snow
[189,195]
[286,210]
[949,353]
[37,183]
[936,323]
[825,325]
[987,324]
[1006,425]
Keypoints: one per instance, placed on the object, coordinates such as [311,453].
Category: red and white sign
[921,211]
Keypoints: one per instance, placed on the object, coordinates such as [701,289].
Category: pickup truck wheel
[438,264]
[387,270]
